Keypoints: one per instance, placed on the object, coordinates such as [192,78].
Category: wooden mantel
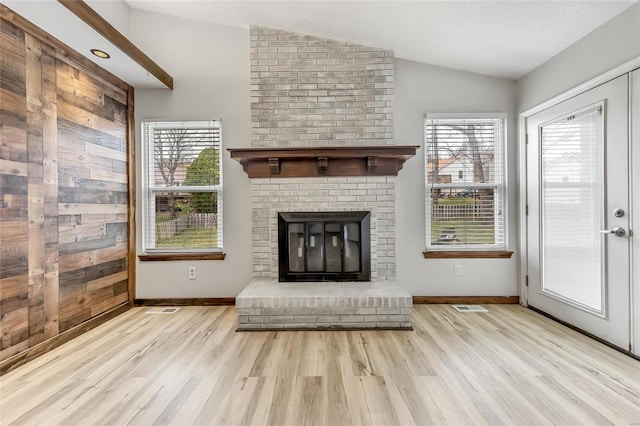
[384,160]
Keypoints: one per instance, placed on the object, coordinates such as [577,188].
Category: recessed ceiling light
[100,53]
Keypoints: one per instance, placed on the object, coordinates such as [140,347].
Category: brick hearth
[329,305]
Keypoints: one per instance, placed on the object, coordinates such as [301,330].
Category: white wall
[210,67]
[421,89]
[614,43]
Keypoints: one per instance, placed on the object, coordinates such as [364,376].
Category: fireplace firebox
[324,246]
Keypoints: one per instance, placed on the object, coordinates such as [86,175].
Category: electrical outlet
[457,270]
[192,272]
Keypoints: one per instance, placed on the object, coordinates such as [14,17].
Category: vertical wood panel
[92,125]
[64,230]
[35,190]
[131,226]
[14,231]
[50,182]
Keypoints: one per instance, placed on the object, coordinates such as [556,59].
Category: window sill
[464,254]
[180,256]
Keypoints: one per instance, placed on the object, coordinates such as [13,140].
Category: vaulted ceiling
[499,38]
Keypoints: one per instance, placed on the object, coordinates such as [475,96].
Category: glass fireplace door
[351,233]
[333,236]
[315,247]
[296,237]
[324,246]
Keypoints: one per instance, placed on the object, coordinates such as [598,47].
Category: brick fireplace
[313,93]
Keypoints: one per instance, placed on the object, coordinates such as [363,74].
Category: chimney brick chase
[308,91]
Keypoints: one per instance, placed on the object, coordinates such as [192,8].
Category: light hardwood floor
[507,366]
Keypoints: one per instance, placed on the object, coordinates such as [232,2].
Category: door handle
[617,231]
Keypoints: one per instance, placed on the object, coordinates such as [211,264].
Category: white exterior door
[635,199]
[578,203]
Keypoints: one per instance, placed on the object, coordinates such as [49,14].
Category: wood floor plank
[356,400]
[237,404]
[448,404]
[260,406]
[507,366]
[378,400]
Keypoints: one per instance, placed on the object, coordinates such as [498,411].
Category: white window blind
[183,186]
[572,199]
[465,183]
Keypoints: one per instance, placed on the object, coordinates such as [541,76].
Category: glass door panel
[572,207]
[315,247]
[333,238]
[351,247]
[296,247]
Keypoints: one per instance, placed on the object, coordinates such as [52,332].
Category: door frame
[634,219]
[625,68]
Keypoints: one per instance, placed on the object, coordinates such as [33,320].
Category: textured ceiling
[499,38]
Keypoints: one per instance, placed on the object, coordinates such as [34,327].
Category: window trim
[155,254]
[155,257]
[468,252]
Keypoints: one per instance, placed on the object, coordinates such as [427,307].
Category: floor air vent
[469,308]
[162,311]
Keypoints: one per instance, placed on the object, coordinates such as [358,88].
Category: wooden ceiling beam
[89,16]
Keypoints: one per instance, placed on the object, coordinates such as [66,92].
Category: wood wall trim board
[168,257]
[60,47]
[465,300]
[89,16]
[131,176]
[40,349]
[199,301]
[463,254]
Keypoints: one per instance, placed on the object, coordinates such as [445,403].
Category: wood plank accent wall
[64,232]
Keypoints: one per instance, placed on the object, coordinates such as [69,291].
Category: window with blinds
[465,183]
[182,210]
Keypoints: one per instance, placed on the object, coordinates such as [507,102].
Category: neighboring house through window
[465,182]
[182,210]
